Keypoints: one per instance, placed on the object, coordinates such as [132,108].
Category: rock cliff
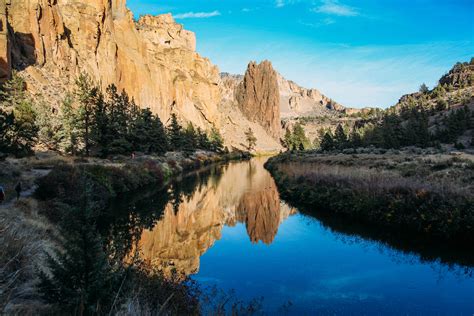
[50,42]
[259,98]
[153,59]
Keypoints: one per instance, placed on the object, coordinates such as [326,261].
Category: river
[227,227]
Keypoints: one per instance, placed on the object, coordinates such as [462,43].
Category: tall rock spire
[259,97]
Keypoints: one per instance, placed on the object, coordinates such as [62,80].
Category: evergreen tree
[340,138]
[119,109]
[202,140]
[287,141]
[327,143]
[175,134]
[299,138]
[81,280]
[49,125]
[17,118]
[7,120]
[69,133]
[424,88]
[216,140]
[101,126]
[355,139]
[190,140]
[251,139]
[86,94]
[391,130]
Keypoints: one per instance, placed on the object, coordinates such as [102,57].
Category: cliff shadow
[23,49]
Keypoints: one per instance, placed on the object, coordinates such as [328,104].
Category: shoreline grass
[416,194]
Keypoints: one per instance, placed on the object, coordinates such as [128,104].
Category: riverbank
[429,194]
[33,226]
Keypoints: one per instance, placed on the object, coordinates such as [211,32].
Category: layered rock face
[153,60]
[5,66]
[258,97]
[296,101]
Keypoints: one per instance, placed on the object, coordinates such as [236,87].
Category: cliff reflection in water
[193,221]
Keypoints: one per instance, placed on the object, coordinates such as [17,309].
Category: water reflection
[217,225]
[193,219]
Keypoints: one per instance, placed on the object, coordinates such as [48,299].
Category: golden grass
[25,237]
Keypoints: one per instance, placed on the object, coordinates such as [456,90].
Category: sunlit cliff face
[245,193]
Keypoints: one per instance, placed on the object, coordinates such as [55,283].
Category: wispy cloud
[333,7]
[282,3]
[323,22]
[197,15]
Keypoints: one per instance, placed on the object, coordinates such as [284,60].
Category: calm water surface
[227,227]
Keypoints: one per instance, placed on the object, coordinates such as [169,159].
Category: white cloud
[280,3]
[197,15]
[333,7]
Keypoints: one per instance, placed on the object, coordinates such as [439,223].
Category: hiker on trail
[18,190]
[2,195]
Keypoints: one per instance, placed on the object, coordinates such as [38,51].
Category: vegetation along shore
[401,191]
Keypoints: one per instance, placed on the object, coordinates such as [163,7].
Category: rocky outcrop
[461,75]
[258,97]
[153,60]
[5,66]
[296,101]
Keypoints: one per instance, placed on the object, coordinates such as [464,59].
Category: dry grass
[25,237]
[441,173]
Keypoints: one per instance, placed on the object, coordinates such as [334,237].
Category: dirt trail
[29,177]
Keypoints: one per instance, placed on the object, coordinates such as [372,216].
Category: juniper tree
[251,139]
[216,140]
[424,88]
[300,141]
[18,119]
[287,141]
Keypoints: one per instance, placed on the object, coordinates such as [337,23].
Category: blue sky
[360,53]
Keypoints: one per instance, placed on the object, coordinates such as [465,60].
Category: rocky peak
[163,30]
[297,101]
[258,97]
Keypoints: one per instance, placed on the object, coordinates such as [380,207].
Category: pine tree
[86,94]
[119,108]
[18,119]
[81,280]
[189,139]
[287,141]
[7,120]
[299,137]
[327,143]
[202,140]
[340,138]
[355,139]
[49,124]
[175,134]
[101,132]
[216,140]
[251,140]
[424,88]
[68,134]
